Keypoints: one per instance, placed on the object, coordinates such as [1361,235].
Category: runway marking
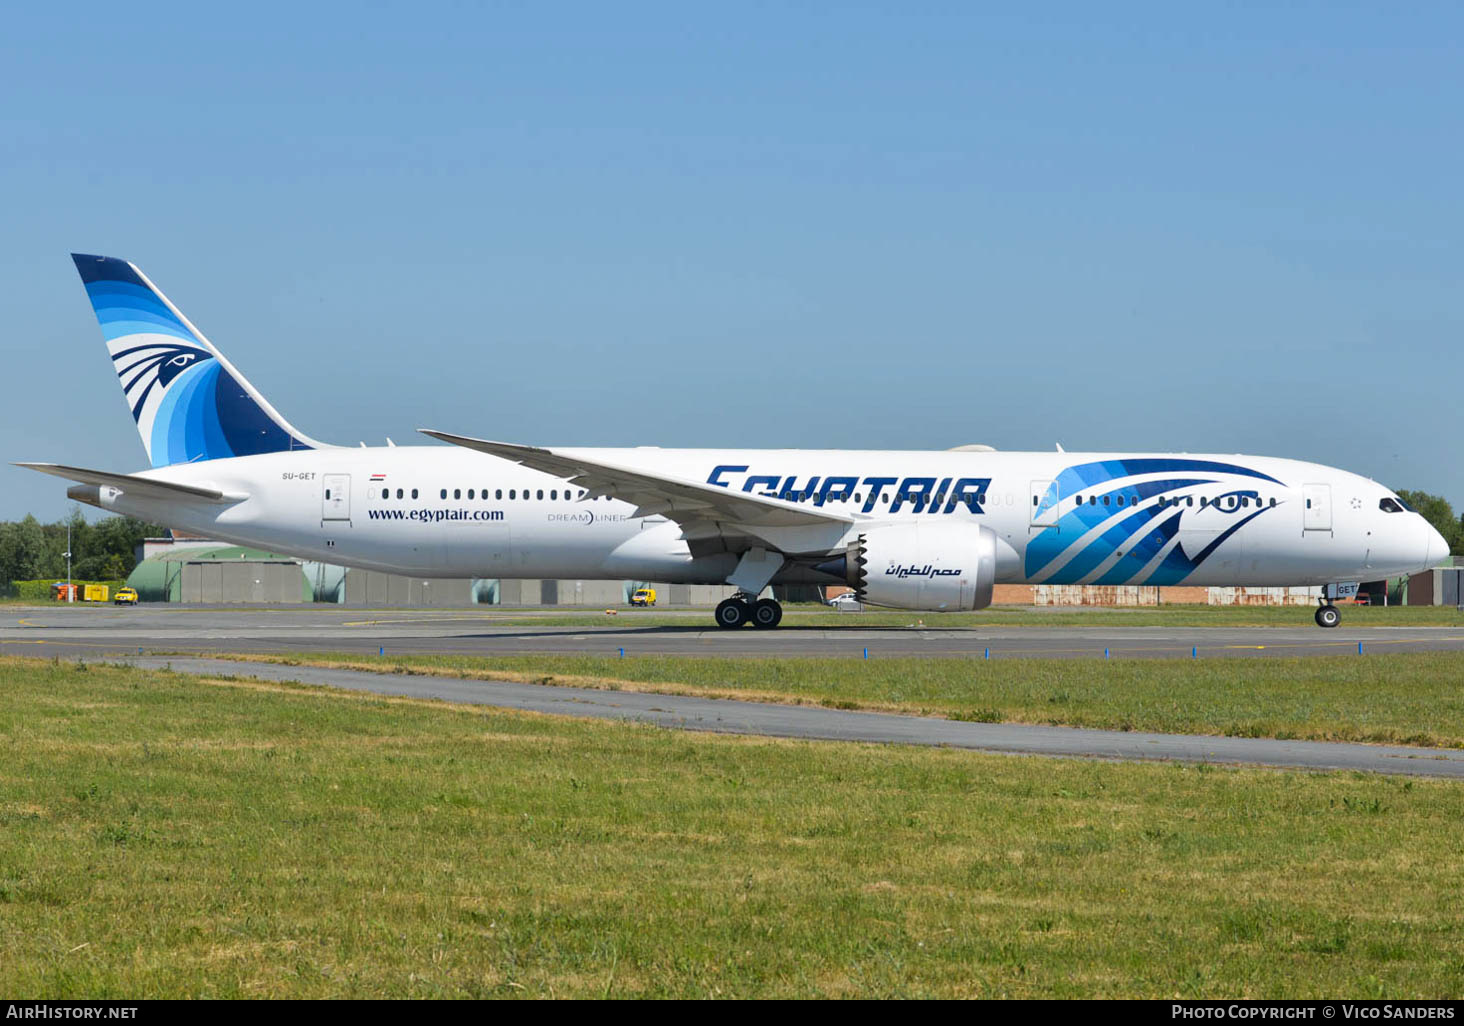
[66,644]
[482,618]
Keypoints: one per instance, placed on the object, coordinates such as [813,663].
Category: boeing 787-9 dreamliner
[912,530]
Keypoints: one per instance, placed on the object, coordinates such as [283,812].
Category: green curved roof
[159,579]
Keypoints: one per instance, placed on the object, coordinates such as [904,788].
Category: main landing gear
[742,609]
[1328,615]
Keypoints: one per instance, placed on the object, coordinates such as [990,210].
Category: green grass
[161,836]
[1400,698]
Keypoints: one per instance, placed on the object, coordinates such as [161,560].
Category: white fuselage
[1059,517]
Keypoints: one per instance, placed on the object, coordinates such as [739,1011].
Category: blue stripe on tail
[186,403]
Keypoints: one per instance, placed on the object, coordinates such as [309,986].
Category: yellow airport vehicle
[95,592]
[125,596]
[643,597]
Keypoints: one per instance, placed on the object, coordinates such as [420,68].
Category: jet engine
[921,566]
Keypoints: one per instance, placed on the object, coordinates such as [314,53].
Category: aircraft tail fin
[188,401]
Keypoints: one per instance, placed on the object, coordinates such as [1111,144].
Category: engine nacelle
[922,566]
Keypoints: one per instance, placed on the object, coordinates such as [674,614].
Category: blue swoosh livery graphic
[1089,535]
[186,404]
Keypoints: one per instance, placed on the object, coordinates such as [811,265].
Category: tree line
[104,551]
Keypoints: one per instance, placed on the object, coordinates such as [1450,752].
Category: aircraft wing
[137,485]
[676,499]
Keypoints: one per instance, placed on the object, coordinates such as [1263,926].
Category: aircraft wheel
[732,613]
[1328,616]
[767,614]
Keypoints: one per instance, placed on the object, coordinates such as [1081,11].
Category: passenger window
[554,493]
[541,493]
[513,493]
[399,493]
[498,493]
[457,493]
[1273,500]
[1120,500]
[327,493]
[1189,500]
[1105,500]
[470,493]
[414,493]
[444,493]
[385,493]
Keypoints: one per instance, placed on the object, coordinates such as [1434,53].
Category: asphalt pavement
[817,723]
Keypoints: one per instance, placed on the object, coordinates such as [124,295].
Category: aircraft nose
[1438,548]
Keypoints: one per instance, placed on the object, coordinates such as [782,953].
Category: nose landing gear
[1328,615]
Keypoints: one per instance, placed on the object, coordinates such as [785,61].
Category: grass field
[164,836]
[1399,698]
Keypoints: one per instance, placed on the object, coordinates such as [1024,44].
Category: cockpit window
[1391,505]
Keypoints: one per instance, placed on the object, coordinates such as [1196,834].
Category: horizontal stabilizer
[139,486]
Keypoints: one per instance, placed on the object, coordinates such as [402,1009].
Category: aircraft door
[336,497]
[1316,507]
[1044,504]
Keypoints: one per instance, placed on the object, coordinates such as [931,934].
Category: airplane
[933,531]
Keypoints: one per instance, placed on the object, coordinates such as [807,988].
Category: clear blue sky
[893,226]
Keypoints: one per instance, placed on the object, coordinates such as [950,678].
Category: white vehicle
[848,602]
[912,530]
